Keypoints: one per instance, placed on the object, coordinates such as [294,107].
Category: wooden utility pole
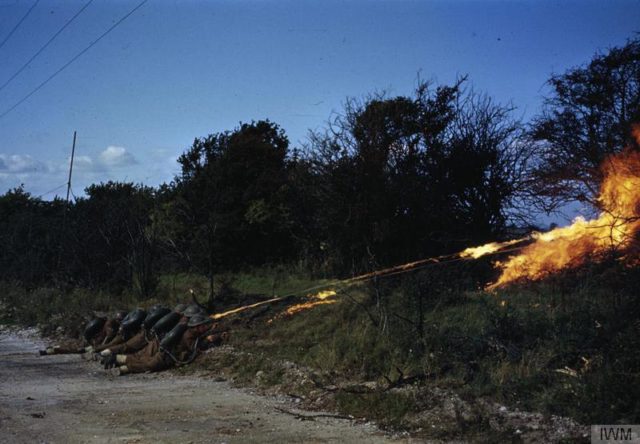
[66,208]
[73,152]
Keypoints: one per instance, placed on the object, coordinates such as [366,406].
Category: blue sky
[176,70]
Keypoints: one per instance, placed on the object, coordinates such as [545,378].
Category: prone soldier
[98,331]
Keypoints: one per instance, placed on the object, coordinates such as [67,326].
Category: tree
[354,160]
[30,236]
[587,116]
[112,239]
[228,200]
[408,177]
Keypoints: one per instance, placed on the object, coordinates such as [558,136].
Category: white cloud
[83,163]
[20,164]
[115,157]
[112,163]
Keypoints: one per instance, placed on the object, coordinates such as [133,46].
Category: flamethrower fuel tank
[134,321]
[154,316]
[166,323]
[93,328]
[172,338]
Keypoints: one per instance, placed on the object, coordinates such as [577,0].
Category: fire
[322,298]
[325,294]
[616,229]
[482,250]
[243,308]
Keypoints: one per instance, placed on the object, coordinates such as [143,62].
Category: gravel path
[63,399]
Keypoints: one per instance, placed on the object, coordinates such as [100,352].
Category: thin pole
[73,152]
[66,208]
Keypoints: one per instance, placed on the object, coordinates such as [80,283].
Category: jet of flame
[616,229]
[490,248]
[245,307]
[322,298]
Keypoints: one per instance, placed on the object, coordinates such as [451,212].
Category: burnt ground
[64,399]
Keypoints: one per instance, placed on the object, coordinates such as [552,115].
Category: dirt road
[63,399]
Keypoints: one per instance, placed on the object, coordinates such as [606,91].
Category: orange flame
[615,229]
[244,307]
[482,250]
[321,298]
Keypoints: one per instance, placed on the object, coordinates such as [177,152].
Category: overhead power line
[76,57]
[45,45]
[51,191]
[18,24]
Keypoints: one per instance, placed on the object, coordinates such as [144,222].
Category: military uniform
[70,346]
[118,339]
[135,343]
[149,359]
[109,331]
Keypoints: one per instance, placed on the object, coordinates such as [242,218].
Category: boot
[109,361]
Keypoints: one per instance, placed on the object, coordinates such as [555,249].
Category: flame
[324,294]
[321,298]
[244,307]
[615,229]
[482,250]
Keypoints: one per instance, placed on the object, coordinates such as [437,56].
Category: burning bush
[615,231]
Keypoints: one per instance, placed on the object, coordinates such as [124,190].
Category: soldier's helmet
[193,310]
[198,319]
